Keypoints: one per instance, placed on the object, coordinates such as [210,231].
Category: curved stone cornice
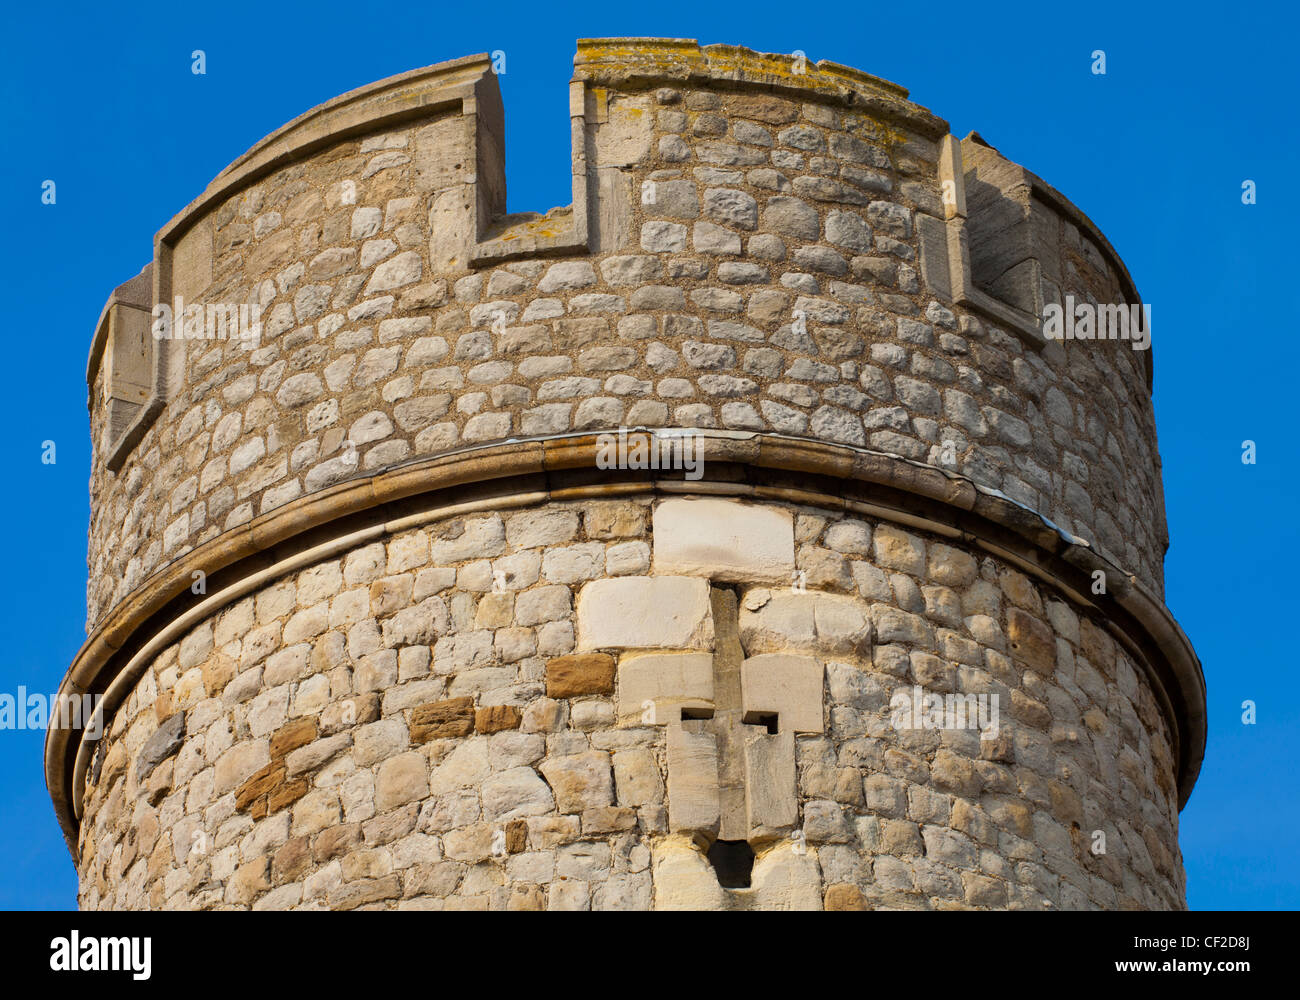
[684,60]
[523,473]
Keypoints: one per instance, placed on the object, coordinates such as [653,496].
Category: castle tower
[739,536]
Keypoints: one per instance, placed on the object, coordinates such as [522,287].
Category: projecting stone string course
[378,627]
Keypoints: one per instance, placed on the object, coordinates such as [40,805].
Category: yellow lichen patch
[674,58]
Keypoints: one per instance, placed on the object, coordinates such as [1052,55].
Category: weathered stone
[1031,640]
[580,781]
[238,763]
[165,741]
[442,720]
[404,269]
[898,549]
[787,879]
[771,798]
[844,896]
[497,718]
[286,794]
[791,217]
[637,778]
[404,778]
[640,612]
[693,800]
[259,785]
[723,540]
[514,794]
[579,674]
[291,736]
[788,686]
[654,688]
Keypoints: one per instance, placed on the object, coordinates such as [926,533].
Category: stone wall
[437,655]
[388,730]
[757,270]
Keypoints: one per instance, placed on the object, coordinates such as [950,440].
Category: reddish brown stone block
[516,836]
[497,718]
[442,720]
[578,674]
[287,794]
[291,736]
[259,784]
[845,897]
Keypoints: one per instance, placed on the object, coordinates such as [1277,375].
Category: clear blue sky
[1194,101]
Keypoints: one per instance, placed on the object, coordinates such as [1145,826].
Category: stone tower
[733,537]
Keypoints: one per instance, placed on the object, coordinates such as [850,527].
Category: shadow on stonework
[785,876]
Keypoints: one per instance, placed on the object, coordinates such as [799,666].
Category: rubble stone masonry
[375,628]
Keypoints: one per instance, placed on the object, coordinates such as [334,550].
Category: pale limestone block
[312,696]
[189,688]
[790,686]
[317,810]
[723,540]
[404,778]
[464,767]
[472,844]
[544,527]
[515,793]
[693,801]
[580,781]
[624,138]
[668,681]
[569,895]
[240,761]
[639,612]
[627,559]
[473,538]
[380,740]
[842,623]
[574,563]
[684,879]
[785,879]
[592,714]
[313,755]
[771,803]
[776,620]
[637,778]
[899,549]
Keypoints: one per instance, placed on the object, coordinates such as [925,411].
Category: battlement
[1015,253]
